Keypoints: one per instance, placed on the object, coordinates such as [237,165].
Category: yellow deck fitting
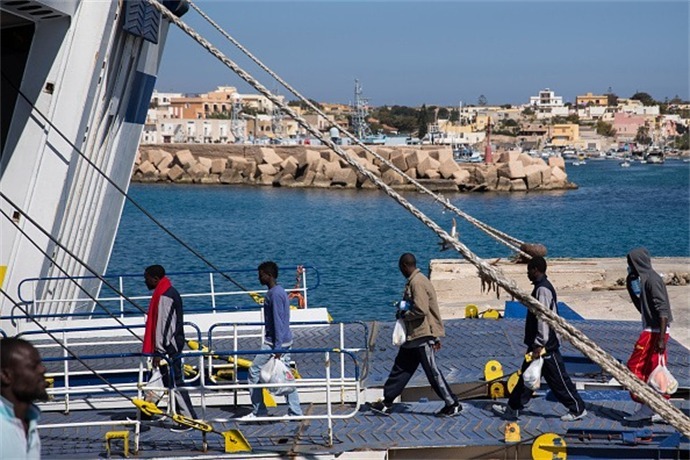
[512,432]
[269,400]
[497,390]
[147,407]
[549,446]
[471,311]
[236,442]
[491,314]
[493,370]
[124,435]
[196,424]
[512,381]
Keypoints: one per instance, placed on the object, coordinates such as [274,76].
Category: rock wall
[307,166]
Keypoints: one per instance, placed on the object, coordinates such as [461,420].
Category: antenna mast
[360,111]
[237,125]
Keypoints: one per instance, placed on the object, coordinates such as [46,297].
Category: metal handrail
[213,293]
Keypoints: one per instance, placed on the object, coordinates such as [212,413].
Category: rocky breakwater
[307,166]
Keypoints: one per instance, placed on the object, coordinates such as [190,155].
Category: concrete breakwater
[315,166]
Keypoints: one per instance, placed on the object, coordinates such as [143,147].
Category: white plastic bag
[154,388]
[399,334]
[661,378]
[276,371]
[532,375]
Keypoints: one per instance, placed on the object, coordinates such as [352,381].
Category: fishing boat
[74,104]
[463,153]
[654,156]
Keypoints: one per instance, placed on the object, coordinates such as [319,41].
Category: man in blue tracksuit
[541,340]
[277,336]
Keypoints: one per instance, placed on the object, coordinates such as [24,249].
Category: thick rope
[671,414]
[511,242]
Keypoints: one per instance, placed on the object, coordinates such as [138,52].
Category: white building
[548,105]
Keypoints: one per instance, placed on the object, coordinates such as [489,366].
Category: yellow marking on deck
[3,270]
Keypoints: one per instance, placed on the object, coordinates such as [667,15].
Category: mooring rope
[660,405]
[511,242]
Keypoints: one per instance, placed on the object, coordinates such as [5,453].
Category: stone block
[384,153]
[206,162]
[448,167]
[185,159]
[231,176]
[268,156]
[427,166]
[155,155]
[546,175]
[413,173]
[509,156]
[321,181]
[399,161]
[218,165]
[415,158]
[487,175]
[330,155]
[238,163]
[266,170]
[165,161]
[442,155]
[525,159]
[185,179]
[307,157]
[503,184]
[142,155]
[345,177]
[330,168]
[307,178]
[211,179]
[557,161]
[512,170]
[461,176]
[518,185]
[533,176]
[558,174]
[249,169]
[147,169]
[264,179]
[285,180]
[289,166]
[175,173]
[391,177]
[432,174]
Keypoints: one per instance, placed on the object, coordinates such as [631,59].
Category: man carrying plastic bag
[542,343]
[648,293]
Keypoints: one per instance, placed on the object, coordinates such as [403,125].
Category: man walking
[648,293]
[164,334]
[22,381]
[277,336]
[424,329]
[542,341]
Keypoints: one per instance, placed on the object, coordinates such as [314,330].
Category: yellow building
[565,134]
[590,99]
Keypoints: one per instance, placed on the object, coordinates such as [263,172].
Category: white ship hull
[91,80]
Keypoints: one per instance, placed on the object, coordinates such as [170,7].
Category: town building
[592,100]
[547,105]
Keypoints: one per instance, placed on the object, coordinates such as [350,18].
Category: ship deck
[412,427]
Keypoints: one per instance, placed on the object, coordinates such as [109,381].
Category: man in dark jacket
[542,341]
[424,328]
[648,293]
[164,334]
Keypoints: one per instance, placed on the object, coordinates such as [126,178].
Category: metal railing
[201,383]
[215,289]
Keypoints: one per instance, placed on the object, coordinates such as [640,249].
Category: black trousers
[557,379]
[183,403]
[406,363]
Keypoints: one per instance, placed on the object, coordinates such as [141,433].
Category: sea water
[354,237]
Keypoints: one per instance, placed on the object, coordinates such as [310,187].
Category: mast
[360,111]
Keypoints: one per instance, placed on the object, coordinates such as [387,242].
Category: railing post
[304,286]
[213,292]
[122,298]
[342,364]
[66,367]
[329,410]
[234,361]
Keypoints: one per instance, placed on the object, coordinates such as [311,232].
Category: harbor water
[354,237]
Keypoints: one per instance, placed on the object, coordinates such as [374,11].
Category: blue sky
[440,52]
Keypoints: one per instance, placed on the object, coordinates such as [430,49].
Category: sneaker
[450,411]
[643,413]
[380,408]
[250,417]
[181,428]
[506,411]
[571,417]
[656,418]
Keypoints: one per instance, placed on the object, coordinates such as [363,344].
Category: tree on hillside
[643,136]
[454,116]
[528,111]
[422,122]
[481,102]
[443,113]
[645,98]
[605,129]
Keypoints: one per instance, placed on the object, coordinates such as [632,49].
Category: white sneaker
[643,413]
[571,417]
[248,418]
[506,411]
[656,418]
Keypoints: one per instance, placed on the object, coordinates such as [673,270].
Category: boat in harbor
[463,153]
[654,156]
[77,94]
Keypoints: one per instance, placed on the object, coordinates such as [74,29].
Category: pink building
[626,126]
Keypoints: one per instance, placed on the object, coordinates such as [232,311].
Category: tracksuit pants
[558,380]
[183,403]
[644,358]
[406,363]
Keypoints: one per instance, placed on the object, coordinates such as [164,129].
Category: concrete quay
[319,167]
[591,287]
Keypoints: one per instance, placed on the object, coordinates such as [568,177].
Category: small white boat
[625,164]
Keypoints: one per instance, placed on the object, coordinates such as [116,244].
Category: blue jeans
[258,406]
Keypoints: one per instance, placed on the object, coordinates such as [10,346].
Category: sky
[439,52]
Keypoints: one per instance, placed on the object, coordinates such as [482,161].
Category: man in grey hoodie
[648,293]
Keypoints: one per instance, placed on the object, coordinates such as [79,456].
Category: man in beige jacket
[424,327]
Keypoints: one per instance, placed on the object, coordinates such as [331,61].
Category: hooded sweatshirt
[653,301]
